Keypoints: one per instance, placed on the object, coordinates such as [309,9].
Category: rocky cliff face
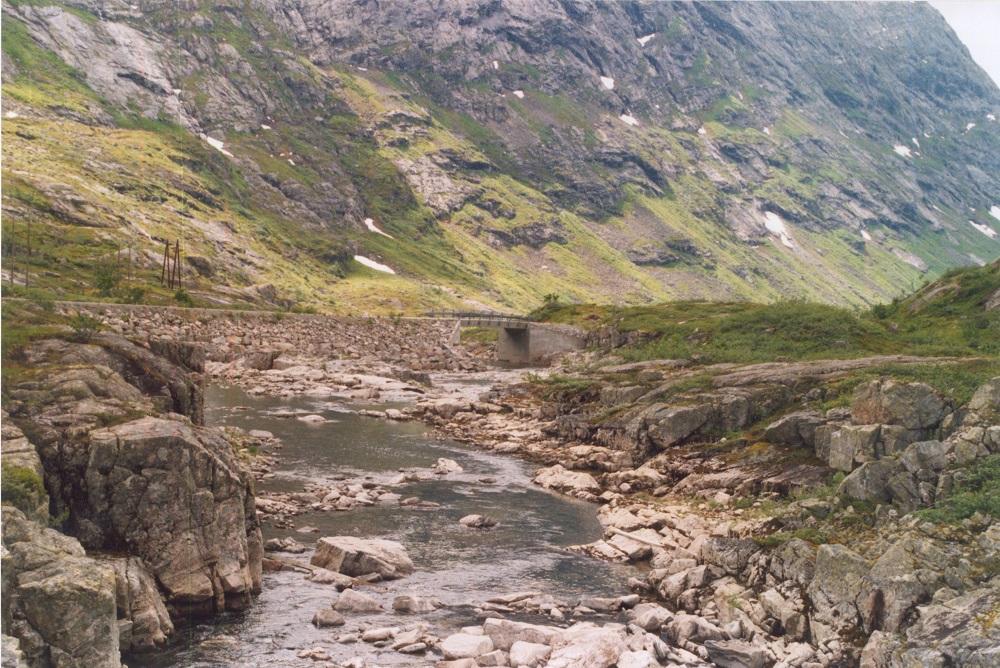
[498,151]
[159,511]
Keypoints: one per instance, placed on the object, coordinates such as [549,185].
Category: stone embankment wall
[421,343]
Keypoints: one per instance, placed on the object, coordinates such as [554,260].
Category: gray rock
[736,654]
[836,586]
[910,405]
[870,481]
[327,617]
[140,606]
[795,429]
[852,444]
[354,601]
[465,646]
[361,556]
[528,654]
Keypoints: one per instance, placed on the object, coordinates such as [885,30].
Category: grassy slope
[145,181]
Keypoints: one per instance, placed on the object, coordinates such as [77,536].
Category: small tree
[107,276]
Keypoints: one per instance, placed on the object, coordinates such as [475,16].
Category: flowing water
[458,565]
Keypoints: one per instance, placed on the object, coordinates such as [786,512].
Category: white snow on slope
[218,145]
[969,126]
[990,117]
[915,141]
[767,131]
[645,38]
[985,229]
[265,127]
[995,211]
[902,150]
[519,94]
[496,65]
[372,227]
[776,226]
[629,119]
[608,83]
[702,130]
[865,235]
[372,264]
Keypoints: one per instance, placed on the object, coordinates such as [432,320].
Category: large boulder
[870,481]
[585,645]
[175,495]
[836,586]
[504,633]
[796,429]
[143,620]
[466,646]
[910,405]
[736,654]
[58,602]
[852,445]
[561,479]
[362,556]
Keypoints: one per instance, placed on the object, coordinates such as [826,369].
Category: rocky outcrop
[58,602]
[359,556]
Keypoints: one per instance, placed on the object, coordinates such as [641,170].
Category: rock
[311,419]
[327,617]
[870,481]
[851,445]
[650,616]
[465,646]
[379,634]
[415,604]
[736,654]
[560,479]
[684,627]
[324,576]
[585,645]
[477,522]
[669,425]
[637,659]
[911,405]
[528,654]
[59,602]
[354,601]
[287,544]
[360,556]
[505,633]
[140,607]
[835,587]
[495,658]
[175,495]
[729,554]
[22,468]
[445,466]
[796,429]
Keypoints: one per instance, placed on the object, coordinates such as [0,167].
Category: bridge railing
[485,318]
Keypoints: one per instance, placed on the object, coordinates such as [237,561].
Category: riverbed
[458,565]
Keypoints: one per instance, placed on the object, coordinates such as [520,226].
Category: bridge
[521,340]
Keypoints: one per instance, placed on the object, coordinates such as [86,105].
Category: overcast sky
[977,23]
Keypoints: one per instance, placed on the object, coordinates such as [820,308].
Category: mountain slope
[493,152]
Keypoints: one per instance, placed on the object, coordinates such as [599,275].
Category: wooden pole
[177,262]
[163,271]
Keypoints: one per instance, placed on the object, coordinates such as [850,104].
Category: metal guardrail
[485,318]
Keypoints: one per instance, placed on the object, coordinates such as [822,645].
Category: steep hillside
[490,153]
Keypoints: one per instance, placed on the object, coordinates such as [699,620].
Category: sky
[977,24]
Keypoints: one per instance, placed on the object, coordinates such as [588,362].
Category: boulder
[143,621]
[465,646]
[834,589]
[910,405]
[870,481]
[796,429]
[23,473]
[637,659]
[59,603]
[504,633]
[415,604]
[528,654]
[175,495]
[736,654]
[327,617]
[477,522]
[852,444]
[362,556]
[585,645]
[650,616]
[354,601]
[571,482]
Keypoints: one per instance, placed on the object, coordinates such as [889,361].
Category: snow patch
[969,126]
[372,227]
[608,83]
[991,117]
[263,126]
[629,119]
[915,141]
[902,150]
[995,211]
[702,130]
[519,94]
[645,38]
[985,229]
[767,131]
[218,145]
[865,235]
[372,264]
[11,114]
[496,65]
[776,226]
[291,162]
[177,91]
[363,69]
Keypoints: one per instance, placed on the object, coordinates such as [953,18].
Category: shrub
[22,488]
[183,298]
[133,295]
[107,276]
[976,490]
[84,327]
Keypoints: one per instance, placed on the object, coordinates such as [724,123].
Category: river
[458,565]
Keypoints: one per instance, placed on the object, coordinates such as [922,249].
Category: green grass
[22,488]
[976,490]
